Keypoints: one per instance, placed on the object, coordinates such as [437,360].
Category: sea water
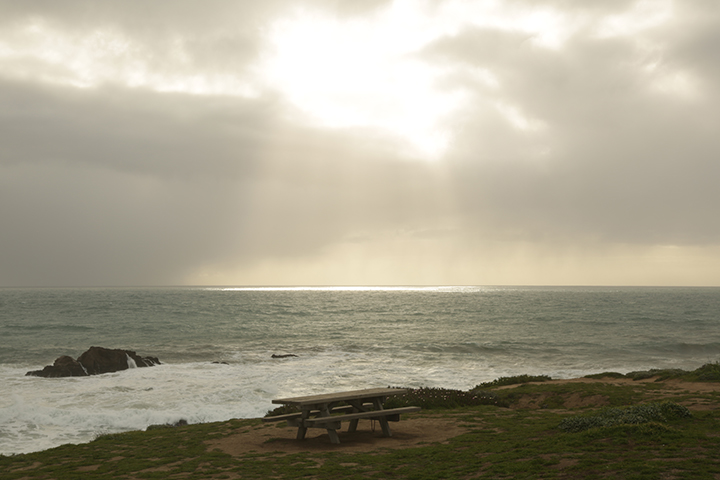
[341,339]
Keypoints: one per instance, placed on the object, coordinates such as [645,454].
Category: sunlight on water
[354,289]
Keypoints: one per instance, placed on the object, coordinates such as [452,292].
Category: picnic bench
[325,411]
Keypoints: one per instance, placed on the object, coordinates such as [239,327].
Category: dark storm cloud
[94,187]
[134,132]
[128,187]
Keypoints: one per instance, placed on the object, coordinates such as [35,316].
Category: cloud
[615,159]
[144,144]
[125,186]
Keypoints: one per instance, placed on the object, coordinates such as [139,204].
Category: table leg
[353,425]
[357,407]
[332,433]
[383,420]
[302,429]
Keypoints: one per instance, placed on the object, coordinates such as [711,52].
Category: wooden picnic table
[320,411]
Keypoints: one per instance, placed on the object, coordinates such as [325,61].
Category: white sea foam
[130,362]
[45,412]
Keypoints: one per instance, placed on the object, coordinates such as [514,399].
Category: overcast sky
[329,142]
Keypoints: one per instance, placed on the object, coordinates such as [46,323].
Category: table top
[340,396]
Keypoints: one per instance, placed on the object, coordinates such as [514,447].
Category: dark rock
[71,365]
[94,361]
[283,356]
[99,360]
[64,366]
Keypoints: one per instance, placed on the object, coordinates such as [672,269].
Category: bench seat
[292,416]
[392,414]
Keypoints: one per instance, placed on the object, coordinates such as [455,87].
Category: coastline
[271,448]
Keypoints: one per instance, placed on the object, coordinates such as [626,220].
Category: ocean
[341,339]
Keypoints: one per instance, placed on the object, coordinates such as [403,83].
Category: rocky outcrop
[99,360]
[63,367]
[95,361]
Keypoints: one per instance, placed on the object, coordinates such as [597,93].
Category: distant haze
[369,142]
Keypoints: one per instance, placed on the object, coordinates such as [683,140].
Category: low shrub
[634,415]
[710,372]
[282,410]
[598,376]
[518,379]
[661,374]
[429,398]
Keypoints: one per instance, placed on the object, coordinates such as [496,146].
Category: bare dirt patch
[88,468]
[29,467]
[280,438]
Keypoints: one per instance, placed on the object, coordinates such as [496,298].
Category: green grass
[710,372]
[523,439]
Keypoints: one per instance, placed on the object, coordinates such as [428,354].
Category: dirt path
[273,438]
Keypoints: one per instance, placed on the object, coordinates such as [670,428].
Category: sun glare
[357,288]
[346,73]
[368,72]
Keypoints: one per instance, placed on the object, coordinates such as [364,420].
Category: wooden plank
[279,418]
[291,416]
[353,416]
[340,396]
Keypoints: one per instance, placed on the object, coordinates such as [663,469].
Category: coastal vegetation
[710,372]
[633,426]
